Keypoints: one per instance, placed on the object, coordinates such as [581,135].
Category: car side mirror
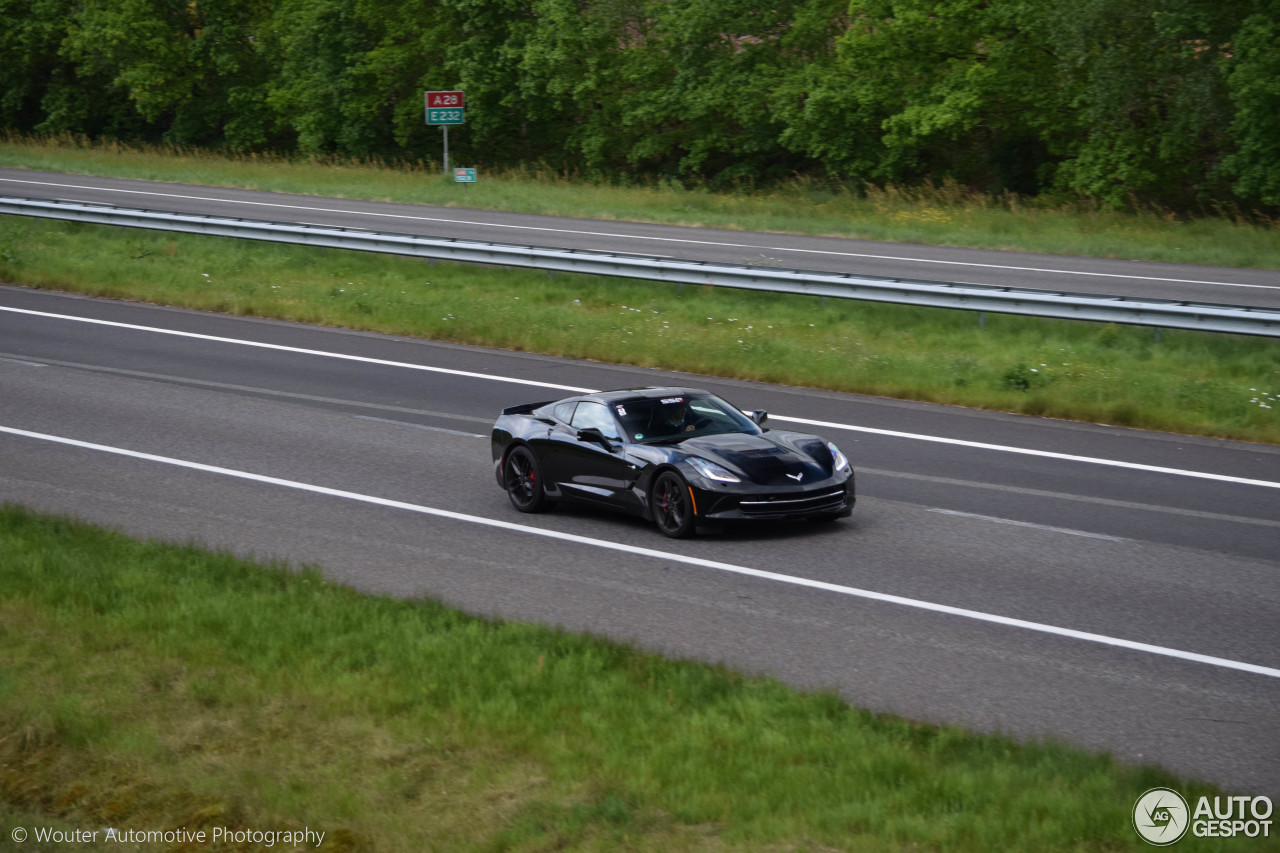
[759,416]
[594,434]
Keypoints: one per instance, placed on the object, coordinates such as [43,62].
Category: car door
[553,447]
[588,468]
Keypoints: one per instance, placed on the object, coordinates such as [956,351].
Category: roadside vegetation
[946,214]
[1128,102]
[150,686]
[1192,382]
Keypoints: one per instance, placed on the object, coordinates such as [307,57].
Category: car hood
[769,459]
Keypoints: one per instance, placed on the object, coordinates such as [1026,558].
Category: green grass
[152,686]
[1218,385]
[947,215]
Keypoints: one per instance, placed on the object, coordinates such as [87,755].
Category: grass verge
[1190,382]
[949,215]
[151,687]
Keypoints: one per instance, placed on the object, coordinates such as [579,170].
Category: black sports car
[678,456]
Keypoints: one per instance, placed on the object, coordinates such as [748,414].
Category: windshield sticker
[639,436]
[669,400]
[622,411]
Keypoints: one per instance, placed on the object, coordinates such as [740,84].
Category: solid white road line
[1066,457]
[282,348]
[419,218]
[667,556]
[1046,454]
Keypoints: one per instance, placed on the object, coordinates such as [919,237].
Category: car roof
[648,393]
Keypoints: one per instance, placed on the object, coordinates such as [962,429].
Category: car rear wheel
[673,506]
[523,480]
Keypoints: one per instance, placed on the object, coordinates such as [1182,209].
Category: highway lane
[1172,560]
[862,257]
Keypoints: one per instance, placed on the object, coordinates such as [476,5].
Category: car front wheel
[673,506]
[523,480]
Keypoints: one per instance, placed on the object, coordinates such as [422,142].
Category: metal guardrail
[1161,313]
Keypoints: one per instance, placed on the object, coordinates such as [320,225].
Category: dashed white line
[421,426]
[854,592]
[420,218]
[978,445]
[1033,526]
[1094,500]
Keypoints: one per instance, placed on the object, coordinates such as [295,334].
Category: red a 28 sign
[445,99]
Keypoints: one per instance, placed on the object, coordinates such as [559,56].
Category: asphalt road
[379,453]
[1260,288]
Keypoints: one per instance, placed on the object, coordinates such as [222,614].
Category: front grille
[793,502]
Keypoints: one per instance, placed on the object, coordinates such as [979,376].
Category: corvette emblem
[796,477]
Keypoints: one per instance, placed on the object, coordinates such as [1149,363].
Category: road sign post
[445,108]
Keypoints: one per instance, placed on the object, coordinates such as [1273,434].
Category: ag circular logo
[1161,816]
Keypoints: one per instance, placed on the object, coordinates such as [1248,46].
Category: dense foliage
[1175,102]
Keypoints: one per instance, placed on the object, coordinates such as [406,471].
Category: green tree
[1252,68]
[29,43]
[192,70]
[687,88]
[508,119]
[931,89]
[318,45]
[1145,79]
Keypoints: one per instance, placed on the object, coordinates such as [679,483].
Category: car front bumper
[830,501]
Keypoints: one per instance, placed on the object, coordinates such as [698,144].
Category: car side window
[563,412]
[700,409]
[595,415]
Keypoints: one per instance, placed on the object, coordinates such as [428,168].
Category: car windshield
[651,420]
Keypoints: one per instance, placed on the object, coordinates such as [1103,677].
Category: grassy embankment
[1189,382]
[151,687]
[948,216]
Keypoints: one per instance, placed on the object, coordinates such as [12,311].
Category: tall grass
[152,686]
[1218,385]
[943,215]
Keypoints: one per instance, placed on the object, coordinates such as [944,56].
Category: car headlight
[712,471]
[838,460]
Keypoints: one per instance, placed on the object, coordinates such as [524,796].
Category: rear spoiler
[526,408]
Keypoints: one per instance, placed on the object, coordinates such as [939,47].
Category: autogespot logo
[1160,816]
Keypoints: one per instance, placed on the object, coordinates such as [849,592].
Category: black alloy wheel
[523,479]
[673,506]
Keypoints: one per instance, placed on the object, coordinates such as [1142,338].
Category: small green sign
[445,116]
[464,176]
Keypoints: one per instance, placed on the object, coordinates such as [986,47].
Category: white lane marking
[282,348]
[665,555]
[996,520]
[1135,466]
[20,361]
[419,218]
[421,426]
[1046,454]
